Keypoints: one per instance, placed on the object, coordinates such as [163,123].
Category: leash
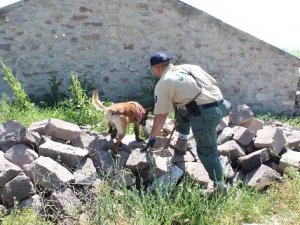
[169,140]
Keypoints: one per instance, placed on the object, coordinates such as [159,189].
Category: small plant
[151,81]
[55,96]
[52,98]
[78,95]
[54,87]
[78,107]
[21,100]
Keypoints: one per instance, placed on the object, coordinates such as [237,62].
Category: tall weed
[78,108]
[21,100]
[55,96]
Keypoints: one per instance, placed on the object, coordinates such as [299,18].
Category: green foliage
[55,96]
[286,198]
[26,216]
[296,53]
[183,204]
[245,205]
[5,107]
[54,86]
[78,95]
[78,108]
[291,120]
[21,100]
[10,112]
[148,88]
[51,99]
[80,89]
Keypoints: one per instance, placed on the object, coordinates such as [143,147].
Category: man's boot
[180,146]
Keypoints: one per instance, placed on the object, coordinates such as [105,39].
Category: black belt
[209,105]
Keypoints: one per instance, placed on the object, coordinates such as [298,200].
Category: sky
[7,2]
[276,22]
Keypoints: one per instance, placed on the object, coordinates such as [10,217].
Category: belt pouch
[193,108]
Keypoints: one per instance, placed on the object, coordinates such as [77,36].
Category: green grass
[27,216]
[183,204]
[285,119]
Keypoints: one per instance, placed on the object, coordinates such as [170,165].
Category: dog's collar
[138,112]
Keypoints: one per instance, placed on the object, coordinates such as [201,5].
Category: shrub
[21,100]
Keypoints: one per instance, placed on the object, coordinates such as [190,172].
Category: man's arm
[159,121]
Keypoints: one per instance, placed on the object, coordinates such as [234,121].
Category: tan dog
[119,115]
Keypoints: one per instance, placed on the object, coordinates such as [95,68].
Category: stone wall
[111,41]
[297,103]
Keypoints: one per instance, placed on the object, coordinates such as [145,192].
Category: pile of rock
[53,159]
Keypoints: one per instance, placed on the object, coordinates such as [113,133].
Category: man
[199,105]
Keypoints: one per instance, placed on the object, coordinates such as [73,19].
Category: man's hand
[150,143]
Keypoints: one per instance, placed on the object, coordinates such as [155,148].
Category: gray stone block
[270,137]
[48,174]
[261,177]
[65,154]
[18,188]
[231,149]
[8,170]
[21,154]
[254,159]
[289,159]
[21,136]
[61,129]
[240,115]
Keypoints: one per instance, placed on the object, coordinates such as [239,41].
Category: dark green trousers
[204,131]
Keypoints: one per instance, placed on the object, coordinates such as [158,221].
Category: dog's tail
[96,102]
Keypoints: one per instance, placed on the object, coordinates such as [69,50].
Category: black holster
[193,109]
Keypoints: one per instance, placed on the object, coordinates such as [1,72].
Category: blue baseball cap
[158,58]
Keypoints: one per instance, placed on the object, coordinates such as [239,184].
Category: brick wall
[111,41]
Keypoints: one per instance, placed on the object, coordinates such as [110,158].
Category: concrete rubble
[58,158]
